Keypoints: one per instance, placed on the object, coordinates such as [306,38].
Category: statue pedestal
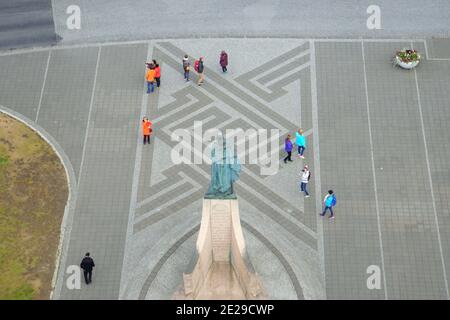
[221,268]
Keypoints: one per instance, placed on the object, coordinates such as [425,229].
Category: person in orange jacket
[146,129]
[157,73]
[150,77]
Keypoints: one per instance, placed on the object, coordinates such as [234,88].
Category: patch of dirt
[33,195]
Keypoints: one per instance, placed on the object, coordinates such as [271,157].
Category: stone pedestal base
[221,268]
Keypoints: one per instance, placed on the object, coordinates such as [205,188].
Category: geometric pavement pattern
[383,149]
[155,202]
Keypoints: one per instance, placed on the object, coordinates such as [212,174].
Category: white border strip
[43,85]
[375,187]
[89,115]
[430,180]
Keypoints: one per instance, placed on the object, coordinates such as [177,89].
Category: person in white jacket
[305,175]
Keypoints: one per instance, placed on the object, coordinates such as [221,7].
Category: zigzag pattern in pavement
[181,113]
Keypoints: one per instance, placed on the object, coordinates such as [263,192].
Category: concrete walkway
[375,136]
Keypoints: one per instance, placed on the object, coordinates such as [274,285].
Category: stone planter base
[406,65]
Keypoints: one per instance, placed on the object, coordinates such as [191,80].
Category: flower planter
[406,65]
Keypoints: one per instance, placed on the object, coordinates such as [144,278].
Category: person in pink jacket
[223,60]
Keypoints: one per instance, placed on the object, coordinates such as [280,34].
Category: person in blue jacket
[300,141]
[328,203]
[288,148]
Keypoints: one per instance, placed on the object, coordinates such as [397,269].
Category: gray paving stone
[403,188]
[279,226]
[21,85]
[66,99]
[105,182]
[346,168]
[438,48]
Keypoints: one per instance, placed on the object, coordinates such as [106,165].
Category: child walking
[186,67]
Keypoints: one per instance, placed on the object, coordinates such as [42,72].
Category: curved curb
[155,270]
[66,224]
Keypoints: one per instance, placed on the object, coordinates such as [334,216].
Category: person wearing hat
[87,264]
[305,176]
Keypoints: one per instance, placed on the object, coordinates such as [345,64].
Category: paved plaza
[377,135]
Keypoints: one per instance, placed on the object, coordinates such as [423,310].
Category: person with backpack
[300,141]
[186,67]
[288,148]
[329,202]
[198,66]
[305,176]
[87,264]
[150,77]
[146,129]
[223,61]
[157,73]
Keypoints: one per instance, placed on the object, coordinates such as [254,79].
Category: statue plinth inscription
[221,269]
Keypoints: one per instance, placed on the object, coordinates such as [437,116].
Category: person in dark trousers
[150,77]
[301,143]
[200,70]
[223,61]
[305,176]
[157,73]
[328,203]
[146,129]
[186,67]
[288,148]
[87,264]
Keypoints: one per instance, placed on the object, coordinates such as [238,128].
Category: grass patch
[33,194]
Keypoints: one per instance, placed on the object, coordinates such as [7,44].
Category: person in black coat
[87,264]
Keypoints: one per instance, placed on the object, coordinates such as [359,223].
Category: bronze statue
[225,169]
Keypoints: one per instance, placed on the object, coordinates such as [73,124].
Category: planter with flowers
[407,58]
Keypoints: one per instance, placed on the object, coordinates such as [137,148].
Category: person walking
[328,203]
[200,69]
[87,264]
[186,67]
[305,176]
[157,73]
[288,148]
[223,61]
[146,129]
[150,77]
[300,141]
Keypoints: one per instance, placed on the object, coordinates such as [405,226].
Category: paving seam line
[114,43]
[373,172]
[316,147]
[430,181]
